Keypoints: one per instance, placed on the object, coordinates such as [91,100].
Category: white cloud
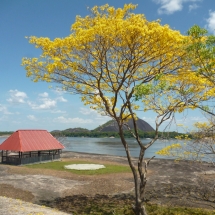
[58,111]
[191,119]
[4,110]
[45,94]
[62,119]
[93,113]
[32,117]
[61,99]
[149,119]
[197,118]
[47,103]
[211,22]
[17,97]
[44,102]
[193,7]
[59,91]
[3,118]
[16,122]
[87,111]
[171,6]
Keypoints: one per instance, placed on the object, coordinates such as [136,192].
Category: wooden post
[2,156]
[39,155]
[21,159]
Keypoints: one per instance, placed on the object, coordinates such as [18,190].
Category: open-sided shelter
[30,146]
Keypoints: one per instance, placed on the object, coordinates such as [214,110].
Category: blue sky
[28,105]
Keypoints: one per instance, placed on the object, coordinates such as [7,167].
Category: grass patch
[59,165]
[118,205]
[161,210]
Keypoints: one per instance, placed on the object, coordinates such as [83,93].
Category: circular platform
[84,166]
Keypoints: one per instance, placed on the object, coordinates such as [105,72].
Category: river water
[109,146]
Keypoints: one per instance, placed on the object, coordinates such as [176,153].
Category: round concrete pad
[84,166]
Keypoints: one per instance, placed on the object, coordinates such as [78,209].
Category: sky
[28,105]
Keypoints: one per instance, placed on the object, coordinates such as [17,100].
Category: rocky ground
[169,182]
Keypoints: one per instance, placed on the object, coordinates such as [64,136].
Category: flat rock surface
[42,186]
[10,206]
[169,182]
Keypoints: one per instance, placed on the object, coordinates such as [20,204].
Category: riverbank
[169,183]
[4,136]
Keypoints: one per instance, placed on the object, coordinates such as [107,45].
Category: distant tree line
[127,134]
[2,133]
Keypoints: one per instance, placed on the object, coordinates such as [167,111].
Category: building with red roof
[30,146]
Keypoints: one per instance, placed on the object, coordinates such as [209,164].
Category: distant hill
[109,129]
[112,126]
[76,130]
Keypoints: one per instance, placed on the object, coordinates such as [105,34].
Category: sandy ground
[169,182]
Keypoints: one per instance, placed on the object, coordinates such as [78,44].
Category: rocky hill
[112,126]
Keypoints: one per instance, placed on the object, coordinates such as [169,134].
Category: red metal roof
[31,140]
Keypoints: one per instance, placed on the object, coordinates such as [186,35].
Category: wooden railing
[15,160]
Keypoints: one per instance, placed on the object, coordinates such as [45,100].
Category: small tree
[201,54]
[107,55]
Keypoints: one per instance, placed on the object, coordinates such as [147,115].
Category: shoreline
[5,135]
[106,157]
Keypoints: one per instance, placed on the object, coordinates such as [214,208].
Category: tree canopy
[106,54]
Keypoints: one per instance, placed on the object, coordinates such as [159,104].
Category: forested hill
[109,129]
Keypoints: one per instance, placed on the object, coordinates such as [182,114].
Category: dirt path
[168,182]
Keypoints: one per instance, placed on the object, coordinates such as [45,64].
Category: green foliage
[197,32]
[111,209]
[157,86]
[143,89]
[127,134]
[106,205]
[2,133]
[203,49]
[59,165]
[162,210]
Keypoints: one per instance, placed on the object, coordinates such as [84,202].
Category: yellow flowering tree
[106,55]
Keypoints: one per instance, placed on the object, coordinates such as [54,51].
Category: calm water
[110,146]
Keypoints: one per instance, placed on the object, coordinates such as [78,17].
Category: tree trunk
[140,209]
[139,179]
